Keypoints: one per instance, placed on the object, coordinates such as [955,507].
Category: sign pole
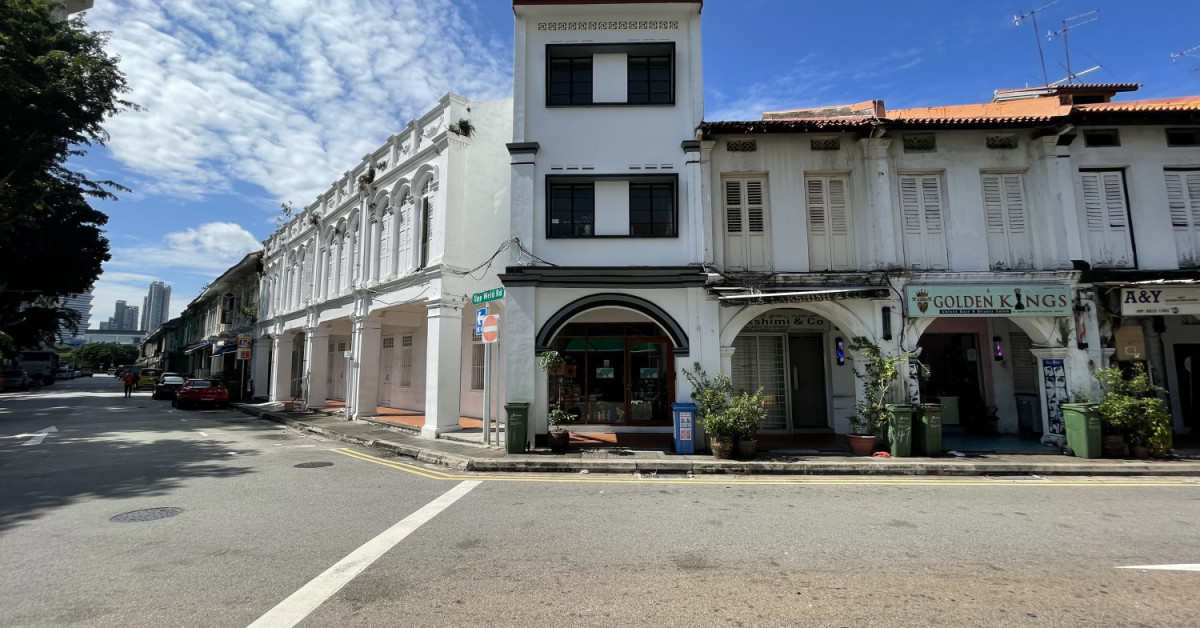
[487,394]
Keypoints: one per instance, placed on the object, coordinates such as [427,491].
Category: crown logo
[922,300]
[922,294]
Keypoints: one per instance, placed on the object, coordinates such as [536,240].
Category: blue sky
[249,103]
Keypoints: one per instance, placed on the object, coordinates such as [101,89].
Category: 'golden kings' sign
[988,300]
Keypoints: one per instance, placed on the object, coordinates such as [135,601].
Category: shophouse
[159,348]
[606,197]
[365,289]
[973,235]
[214,320]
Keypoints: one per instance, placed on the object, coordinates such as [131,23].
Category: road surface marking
[763,480]
[1182,567]
[202,433]
[300,604]
[40,436]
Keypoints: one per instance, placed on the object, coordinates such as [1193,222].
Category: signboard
[243,354]
[685,425]
[495,294]
[1159,300]
[955,300]
[480,314]
[225,335]
[786,321]
[243,342]
[491,328]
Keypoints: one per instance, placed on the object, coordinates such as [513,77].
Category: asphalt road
[256,537]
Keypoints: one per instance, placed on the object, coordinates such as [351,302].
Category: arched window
[330,265]
[310,262]
[385,242]
[404,220]
[355,254]
[343,259]
[426,221]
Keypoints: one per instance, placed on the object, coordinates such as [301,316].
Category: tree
[57,86]
[105,353]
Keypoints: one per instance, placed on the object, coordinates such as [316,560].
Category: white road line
[202,433]
[40,436]
[300,604]
[1180,567]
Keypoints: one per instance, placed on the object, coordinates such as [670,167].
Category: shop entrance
[954,376]
[616,374]
[1187,372]
[806,362]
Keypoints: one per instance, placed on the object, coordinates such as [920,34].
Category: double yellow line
[761,480]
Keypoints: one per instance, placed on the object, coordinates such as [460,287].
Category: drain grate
[146,514]
[313,465]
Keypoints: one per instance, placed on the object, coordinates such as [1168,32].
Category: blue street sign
[480,314]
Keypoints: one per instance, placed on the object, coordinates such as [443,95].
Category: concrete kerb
[698,465]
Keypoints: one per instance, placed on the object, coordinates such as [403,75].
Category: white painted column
[281,369]
[316,350]
[883,224]
[443,357]
[362,398]
[260,354]
[1066,243]
[1052,367]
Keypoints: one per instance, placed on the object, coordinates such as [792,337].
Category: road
[256,536]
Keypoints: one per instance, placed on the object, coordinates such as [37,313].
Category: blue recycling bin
[685,428]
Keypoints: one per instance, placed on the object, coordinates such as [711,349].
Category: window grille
[758,361]
[1001,141]
[406,361]
[1183,137]
[825,143]
[741,146]
[1101,138]
[920,143]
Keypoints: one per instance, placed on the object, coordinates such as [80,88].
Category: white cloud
[285,94]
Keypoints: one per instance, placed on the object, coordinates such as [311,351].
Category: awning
[802,296]
[226,349]
[197,347]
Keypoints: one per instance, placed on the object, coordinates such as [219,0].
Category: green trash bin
[900,429]
[927,430]
[1083,429]
[516,427]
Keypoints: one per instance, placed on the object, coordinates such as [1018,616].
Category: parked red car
[198,391]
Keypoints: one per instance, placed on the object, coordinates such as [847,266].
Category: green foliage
[250,312]
[878,372]
[99,354]
[719,411]
[552,363]
[57,86]
[1131,408]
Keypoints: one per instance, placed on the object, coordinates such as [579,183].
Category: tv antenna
[1175,56]
[1032,15]
[1067,25]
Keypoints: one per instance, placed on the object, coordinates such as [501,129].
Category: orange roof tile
[1178,103]
[1031,109]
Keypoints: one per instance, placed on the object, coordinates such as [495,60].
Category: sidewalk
[465,452]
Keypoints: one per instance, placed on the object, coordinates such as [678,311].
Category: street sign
[495,294]
[491,328]
[243,342]
[479,316]
[243,354]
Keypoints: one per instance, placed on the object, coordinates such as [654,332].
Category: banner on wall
[1160,300]
[988,300]
[795,321]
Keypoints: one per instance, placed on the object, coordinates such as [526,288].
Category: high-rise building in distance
[81,304]
[156,306]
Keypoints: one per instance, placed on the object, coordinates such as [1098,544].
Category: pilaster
[443,356]
[281,367]
[362,396]
[316,350]
[881,223]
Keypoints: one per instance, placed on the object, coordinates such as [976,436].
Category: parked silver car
[16,380]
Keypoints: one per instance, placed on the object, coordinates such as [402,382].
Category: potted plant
[861,436]
[554,364]
[747,411]
[878,373]
[1131,407]
[711,395]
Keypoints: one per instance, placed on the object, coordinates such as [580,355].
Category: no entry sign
[491,328]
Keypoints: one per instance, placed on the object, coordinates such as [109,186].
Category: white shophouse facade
[606,194]
[365,289]
[975,235]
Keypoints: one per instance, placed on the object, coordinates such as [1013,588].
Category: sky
[247,104]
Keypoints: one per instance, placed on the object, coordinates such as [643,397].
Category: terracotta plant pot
[1114,447]
[861,444]
[721,446]
[747,448]
[559,440]
[1141,453]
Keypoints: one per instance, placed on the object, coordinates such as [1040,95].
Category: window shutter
[746,224]
[343,268]
[733,206]
[754,206]
[817,223]
[1183,200]
[1009,239]
[924,222]
[385,245]
[830,238]
[1107,218]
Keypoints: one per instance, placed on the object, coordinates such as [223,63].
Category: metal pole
[487,394]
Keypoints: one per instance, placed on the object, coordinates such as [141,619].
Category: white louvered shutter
[746,246]
[1183,198]
[830,233]
[1010,243]
[385,244]
[343,265]
[923,222]
[1107,219]
[331,268]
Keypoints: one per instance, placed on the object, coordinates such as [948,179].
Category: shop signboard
[789,321]
[1160,300]
[957,300]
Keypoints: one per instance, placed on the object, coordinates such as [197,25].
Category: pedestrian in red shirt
[129,379]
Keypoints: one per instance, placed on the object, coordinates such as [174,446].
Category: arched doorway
[620,353]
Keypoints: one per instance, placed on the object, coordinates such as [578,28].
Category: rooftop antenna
[1032,15]
[1067,25]
[1187,53]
